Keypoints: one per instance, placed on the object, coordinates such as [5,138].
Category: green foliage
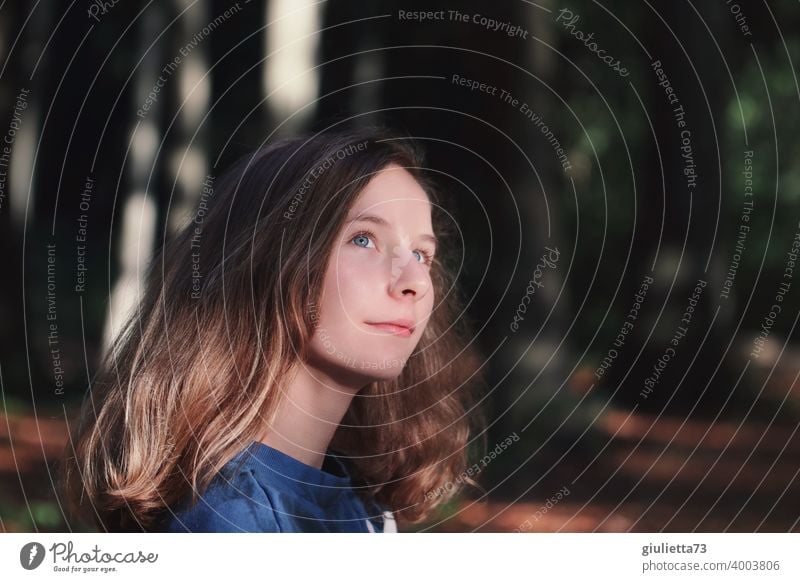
[39,515]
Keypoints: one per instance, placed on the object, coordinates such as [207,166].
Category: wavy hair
[195,374]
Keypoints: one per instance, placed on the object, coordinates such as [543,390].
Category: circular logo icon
[31,555]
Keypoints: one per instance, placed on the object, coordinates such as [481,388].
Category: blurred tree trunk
[16,200]
[139,211]
[187,144]
[239,115]
[693,209]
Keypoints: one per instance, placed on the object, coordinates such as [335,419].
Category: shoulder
[234,503]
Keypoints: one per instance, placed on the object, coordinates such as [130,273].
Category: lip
[402,327]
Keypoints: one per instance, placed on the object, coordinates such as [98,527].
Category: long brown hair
[195,374]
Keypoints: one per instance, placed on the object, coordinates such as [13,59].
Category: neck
[309,414]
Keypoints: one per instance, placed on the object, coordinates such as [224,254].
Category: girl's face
[377,295]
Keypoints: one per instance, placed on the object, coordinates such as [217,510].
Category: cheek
[359,268]
[352,283]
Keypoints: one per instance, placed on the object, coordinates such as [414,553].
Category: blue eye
[425,257]
[364,237]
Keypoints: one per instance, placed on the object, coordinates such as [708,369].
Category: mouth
[401,327]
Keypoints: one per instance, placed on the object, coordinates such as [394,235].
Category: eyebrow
[383,222]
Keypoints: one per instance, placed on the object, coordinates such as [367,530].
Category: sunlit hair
[194,377]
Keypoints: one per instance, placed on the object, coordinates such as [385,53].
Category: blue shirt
[265,490]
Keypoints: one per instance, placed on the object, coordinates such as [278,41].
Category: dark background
[713,447]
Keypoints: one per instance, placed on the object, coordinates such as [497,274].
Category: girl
[299,360]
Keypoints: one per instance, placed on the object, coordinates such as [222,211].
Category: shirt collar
[274,467]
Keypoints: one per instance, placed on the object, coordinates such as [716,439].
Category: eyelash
[428,258]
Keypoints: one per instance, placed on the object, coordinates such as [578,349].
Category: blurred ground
[29,447]
[656,475]
[739,479]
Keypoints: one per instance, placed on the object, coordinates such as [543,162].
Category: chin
[382,369]
[375,364]
[361,369]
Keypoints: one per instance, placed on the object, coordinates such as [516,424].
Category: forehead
[392,189]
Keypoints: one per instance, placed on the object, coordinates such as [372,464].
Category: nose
[409,276]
